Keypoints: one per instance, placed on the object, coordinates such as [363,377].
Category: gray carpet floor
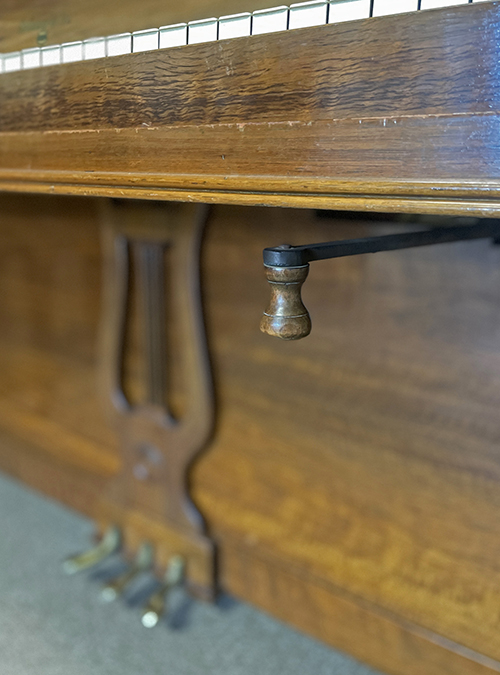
[51,624]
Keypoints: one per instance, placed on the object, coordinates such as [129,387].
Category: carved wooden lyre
[148,502]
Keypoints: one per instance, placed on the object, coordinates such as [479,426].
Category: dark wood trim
[327,117]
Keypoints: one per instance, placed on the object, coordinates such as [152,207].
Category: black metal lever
[296,256]
[288,266]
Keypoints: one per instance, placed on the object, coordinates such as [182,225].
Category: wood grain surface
[282,119]
[151,253]
[27,23]
[345,71]
[352,482]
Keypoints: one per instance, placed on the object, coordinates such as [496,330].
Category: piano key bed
[274,19]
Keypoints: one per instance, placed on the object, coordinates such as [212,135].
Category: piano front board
[395,113]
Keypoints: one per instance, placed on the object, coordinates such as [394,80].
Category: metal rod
[297,256]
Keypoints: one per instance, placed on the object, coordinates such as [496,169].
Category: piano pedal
[156,606]
[143,563]
[109,544]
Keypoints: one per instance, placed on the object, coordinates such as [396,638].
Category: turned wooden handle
[286,317]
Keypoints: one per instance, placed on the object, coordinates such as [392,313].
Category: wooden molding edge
[258,184]
[455,199]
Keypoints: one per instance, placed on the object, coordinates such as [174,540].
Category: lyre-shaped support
[150,499]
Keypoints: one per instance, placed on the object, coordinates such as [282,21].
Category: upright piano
[347,483]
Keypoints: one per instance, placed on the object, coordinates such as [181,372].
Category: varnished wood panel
[409,166]
[351,624]
[24,23]
[332,116]
[352,482]
[363,441]
[350,70]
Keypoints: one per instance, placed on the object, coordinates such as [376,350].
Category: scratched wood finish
[275,119]
[330,72]
[352,482]
[23,23]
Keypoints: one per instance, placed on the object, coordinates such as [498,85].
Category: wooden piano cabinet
[325,117]
[352,481]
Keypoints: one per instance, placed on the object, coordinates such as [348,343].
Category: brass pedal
[155,608]
[142,563]
[109,544]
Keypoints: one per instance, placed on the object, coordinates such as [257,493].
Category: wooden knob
[286,317]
